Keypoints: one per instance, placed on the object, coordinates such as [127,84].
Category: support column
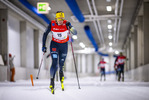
[140,42]
[23,30]
[132,59]
[125,68]
[146,32]
[89,63]
[4,35]
[5,71]
[79,63]
[84,63]
[135,47]
[36,49]
[111,62]
[96,61]
[128,55]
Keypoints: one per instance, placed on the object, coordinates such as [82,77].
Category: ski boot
[52,86]
[62,80]
[62,84]
[119,78]
[104,79]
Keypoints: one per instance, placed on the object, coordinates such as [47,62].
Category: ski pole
[40,66]
[74,62]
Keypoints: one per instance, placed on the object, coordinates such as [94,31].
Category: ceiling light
[109,21]
[82,45]
[49,8]
[109,8]
[116,52]
[110,44]
[110,37]
[108,0]
[110,49]
[109,26]
[74,37]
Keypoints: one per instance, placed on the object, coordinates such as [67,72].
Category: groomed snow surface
[91,89]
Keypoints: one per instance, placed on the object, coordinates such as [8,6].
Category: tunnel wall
[3,73]
[139,74]
[23,46]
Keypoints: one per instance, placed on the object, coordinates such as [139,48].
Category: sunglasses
[60,19]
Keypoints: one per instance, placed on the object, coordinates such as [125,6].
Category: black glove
[44,49]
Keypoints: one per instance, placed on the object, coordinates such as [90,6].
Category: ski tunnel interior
[104,29]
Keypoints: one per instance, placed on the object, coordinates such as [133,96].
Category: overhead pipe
[34,10]
[75,10]
[90,36]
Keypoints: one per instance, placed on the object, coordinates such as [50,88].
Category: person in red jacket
[121,61]
[101,66]
[59,45]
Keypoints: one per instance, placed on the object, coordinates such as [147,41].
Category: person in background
[12,68]
[120,68]
[101,66]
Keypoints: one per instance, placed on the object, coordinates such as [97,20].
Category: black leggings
[102,71]
[58,52]
[121,70]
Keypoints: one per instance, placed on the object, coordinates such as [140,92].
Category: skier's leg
[104,74]
[53,69]
[119,73]
[62,57]
[122,72]
[12,75]
[101,72]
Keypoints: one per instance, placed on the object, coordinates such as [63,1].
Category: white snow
[91,89]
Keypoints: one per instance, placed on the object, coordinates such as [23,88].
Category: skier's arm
[115,62]
[45,35]
[72,29]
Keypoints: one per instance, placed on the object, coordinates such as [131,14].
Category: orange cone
[31,76]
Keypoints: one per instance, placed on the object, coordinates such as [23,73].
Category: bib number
[60,35]
[121,60]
